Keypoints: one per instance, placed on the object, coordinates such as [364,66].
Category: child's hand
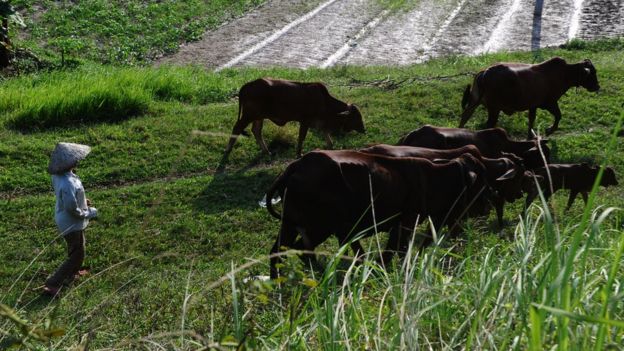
[88,202]
[92,213]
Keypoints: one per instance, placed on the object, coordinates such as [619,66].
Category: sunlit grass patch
[95,95]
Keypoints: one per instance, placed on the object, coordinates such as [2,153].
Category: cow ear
[508,175]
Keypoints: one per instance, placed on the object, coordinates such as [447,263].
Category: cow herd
[441,175]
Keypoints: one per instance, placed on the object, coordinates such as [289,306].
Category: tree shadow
[536,33]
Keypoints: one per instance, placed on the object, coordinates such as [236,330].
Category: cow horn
[508,175]
[439,160]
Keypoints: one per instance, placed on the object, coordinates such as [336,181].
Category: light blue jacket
[72,213]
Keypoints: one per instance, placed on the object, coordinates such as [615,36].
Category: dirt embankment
[322,33]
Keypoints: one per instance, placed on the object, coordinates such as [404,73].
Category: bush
[607,44]
[192,85]
[96,94]
[82,99]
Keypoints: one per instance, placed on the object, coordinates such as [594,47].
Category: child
[72,212]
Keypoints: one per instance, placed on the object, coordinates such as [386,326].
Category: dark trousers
[75,256]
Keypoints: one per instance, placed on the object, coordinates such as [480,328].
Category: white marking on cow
[576,18]
[498,34]
[275,36]
[344,50]
[434,40]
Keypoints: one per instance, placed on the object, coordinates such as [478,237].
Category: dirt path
[323,33]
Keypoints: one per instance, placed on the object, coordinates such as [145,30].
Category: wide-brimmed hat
[65,157]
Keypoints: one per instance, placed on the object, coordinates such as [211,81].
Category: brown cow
[514,87]
[282,101]
[329,192]
[578,178]
[491,143]
[506,176]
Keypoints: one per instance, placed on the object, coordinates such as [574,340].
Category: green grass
[92,95]
[171,230]
[120,32]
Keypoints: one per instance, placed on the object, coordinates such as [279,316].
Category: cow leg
[584,194]
[303,131]
[499,204]
[309,241]
[328,141]
[357,249]
[392,246]
[492,118]
[256,129]
[554,109]
[466,114]
[286,238]
[532,114]
[238,129]
[529,199]
[571,198]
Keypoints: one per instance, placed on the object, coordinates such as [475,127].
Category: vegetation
[175,240]
[120,32]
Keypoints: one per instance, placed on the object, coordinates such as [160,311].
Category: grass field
[172,231]
[119,32]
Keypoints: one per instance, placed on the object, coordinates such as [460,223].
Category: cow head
[529,180]
[509,185]
[587,76]
[608,177]
[533,156]
[351,119]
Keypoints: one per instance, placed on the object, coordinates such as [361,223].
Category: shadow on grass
[239,190]
[279,148]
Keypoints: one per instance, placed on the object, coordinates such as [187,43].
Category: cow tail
[240,115]
[477,91]
[465,98]
[240,109]
[279,186]
[474,93]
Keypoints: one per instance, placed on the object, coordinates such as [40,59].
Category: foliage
[28,334]
[123,32]
[616,43]
[7,10]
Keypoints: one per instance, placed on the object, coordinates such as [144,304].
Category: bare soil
[320,33]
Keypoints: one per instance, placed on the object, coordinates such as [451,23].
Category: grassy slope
[200,224]
[121,32]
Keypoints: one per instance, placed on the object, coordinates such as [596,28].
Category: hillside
[172,230]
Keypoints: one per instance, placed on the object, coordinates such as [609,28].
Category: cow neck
[574,75]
